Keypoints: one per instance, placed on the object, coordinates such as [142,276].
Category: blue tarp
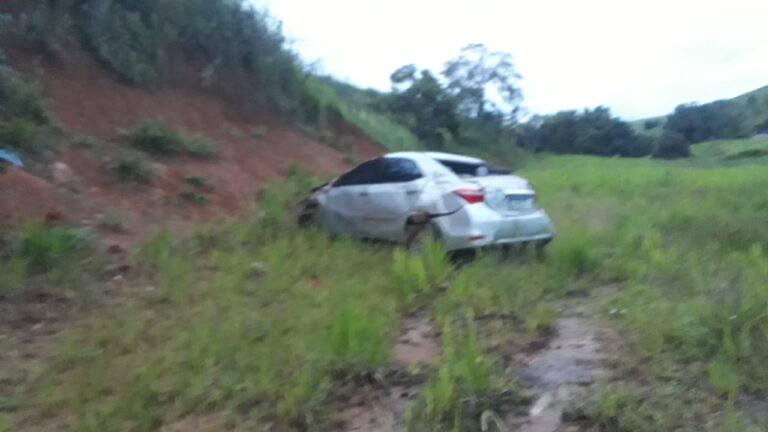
[11,158]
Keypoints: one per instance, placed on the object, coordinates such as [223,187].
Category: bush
[24,136]
[197,181]
[132,168]
[200,147]
[157,138]
[133,37]
[43,248]
[21,99]
[671,145]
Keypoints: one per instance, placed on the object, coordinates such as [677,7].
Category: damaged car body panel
[461,200]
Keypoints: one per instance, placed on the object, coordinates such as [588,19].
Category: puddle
[382,407]
[560,373]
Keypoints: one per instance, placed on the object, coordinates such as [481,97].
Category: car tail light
[471,196]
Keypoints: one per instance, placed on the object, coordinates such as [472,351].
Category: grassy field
[257,326]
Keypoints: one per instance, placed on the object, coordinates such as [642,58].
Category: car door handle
[363,193]
[411,191]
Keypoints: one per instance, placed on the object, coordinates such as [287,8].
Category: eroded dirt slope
[88,101]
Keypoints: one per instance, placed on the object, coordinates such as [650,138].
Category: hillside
[752,106]
[153,276]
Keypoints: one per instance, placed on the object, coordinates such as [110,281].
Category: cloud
[639,58]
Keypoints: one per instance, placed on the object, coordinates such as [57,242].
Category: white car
[459,200]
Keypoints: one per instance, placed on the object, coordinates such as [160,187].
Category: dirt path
[563,373]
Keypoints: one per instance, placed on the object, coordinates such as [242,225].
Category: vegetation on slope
[738,117]
[250,324]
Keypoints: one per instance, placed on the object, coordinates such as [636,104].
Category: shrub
[194,197]
[157,138]
[24,136]
[671,145]
[132,168]
[154,137]
[20,98]
[45,248]
[197,181]
[200,147]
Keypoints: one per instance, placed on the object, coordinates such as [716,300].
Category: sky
[639,58]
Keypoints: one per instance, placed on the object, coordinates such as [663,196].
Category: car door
[345,202]
[391,198]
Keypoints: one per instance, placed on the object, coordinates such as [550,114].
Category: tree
[423,105]
[593,132]
[671,145]
[483,81]
[716,120]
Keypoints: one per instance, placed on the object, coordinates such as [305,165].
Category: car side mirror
[481,171]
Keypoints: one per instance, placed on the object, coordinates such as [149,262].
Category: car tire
[417,236]
[306,213]
[540,249]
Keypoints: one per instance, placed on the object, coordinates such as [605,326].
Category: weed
[156,138]
[114,220]
[24,136]
[200,148]
[14,271]
[21,99]
[199,182]
[194,197]
[132,168]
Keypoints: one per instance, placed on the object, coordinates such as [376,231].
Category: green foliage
[199,182]
[43,248]
[24,136]
[132,168]
[156,138]
[593,132]
[135,38]
[671,145]
[194,197]
[424,106]
[463,377]
[716,120]
[320,103]
[20,99]
[14,271]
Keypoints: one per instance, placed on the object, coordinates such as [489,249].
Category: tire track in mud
[563,373]
[560,375]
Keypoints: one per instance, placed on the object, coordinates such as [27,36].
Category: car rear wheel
[418,236]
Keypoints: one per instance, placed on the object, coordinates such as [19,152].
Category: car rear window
[466,169]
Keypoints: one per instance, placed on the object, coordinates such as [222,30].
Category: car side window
[365,173]
[382,170]
[400,170]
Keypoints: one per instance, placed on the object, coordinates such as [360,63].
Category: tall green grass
[687,245]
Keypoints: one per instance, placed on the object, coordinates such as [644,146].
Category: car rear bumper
[478,226]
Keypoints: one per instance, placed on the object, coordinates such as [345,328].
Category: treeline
[724,119]
[474,103]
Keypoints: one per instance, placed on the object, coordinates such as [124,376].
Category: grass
[321,102]
[132,168]
[256,323]
[685,242]
[730,152]
[156,138]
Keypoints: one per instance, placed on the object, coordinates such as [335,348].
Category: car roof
[436,156]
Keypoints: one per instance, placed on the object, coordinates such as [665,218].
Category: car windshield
[468,169]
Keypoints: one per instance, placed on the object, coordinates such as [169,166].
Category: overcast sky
[640,58]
